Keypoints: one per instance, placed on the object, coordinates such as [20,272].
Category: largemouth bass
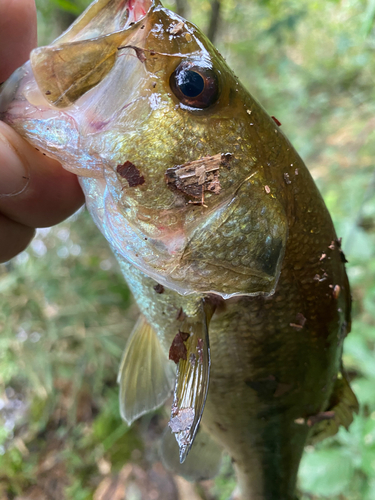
[219,230]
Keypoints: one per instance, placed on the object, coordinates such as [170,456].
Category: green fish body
[219,230]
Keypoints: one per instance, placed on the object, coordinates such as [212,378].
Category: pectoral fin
[203,461]
[146,375]
[192,379]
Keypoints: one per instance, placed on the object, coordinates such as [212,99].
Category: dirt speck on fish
[199,202]
[178,349]
[130,172]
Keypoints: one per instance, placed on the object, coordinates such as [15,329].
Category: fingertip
[18,34]
[51,193]
[14,239]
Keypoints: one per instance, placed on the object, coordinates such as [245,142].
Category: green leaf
[365,391]
[68,6]
[326,472]
[370,493]
[7,282]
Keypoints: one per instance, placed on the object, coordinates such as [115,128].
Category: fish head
[169,146]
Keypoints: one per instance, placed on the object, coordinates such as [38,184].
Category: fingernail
[13,172]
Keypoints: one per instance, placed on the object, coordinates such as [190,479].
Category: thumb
[18,34]
[34,189]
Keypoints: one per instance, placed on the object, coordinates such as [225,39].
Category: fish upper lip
[86,32]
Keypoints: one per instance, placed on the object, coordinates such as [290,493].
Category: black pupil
[190,83]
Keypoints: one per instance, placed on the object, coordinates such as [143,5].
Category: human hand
[35,191]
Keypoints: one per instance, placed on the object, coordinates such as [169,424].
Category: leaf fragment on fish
[194,177]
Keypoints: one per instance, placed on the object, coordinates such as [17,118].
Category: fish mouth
[86,53]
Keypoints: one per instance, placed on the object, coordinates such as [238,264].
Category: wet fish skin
[263,249]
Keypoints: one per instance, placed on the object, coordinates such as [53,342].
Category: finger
[34,190]
[17,34]
[14,238]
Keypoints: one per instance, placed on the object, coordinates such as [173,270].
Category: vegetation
[65,311]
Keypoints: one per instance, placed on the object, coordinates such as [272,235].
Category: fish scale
[243,294]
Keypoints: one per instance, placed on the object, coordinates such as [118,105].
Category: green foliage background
[65,312]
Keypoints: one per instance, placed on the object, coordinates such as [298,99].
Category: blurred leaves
[326,472]
[68,6]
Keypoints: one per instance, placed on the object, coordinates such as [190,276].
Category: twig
[214,21]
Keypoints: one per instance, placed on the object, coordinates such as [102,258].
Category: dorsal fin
[146,376]
[203,461]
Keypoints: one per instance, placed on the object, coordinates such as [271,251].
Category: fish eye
[194,85]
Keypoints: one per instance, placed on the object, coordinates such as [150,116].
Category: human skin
[35,191]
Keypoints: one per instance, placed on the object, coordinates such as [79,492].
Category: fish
[220,232]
